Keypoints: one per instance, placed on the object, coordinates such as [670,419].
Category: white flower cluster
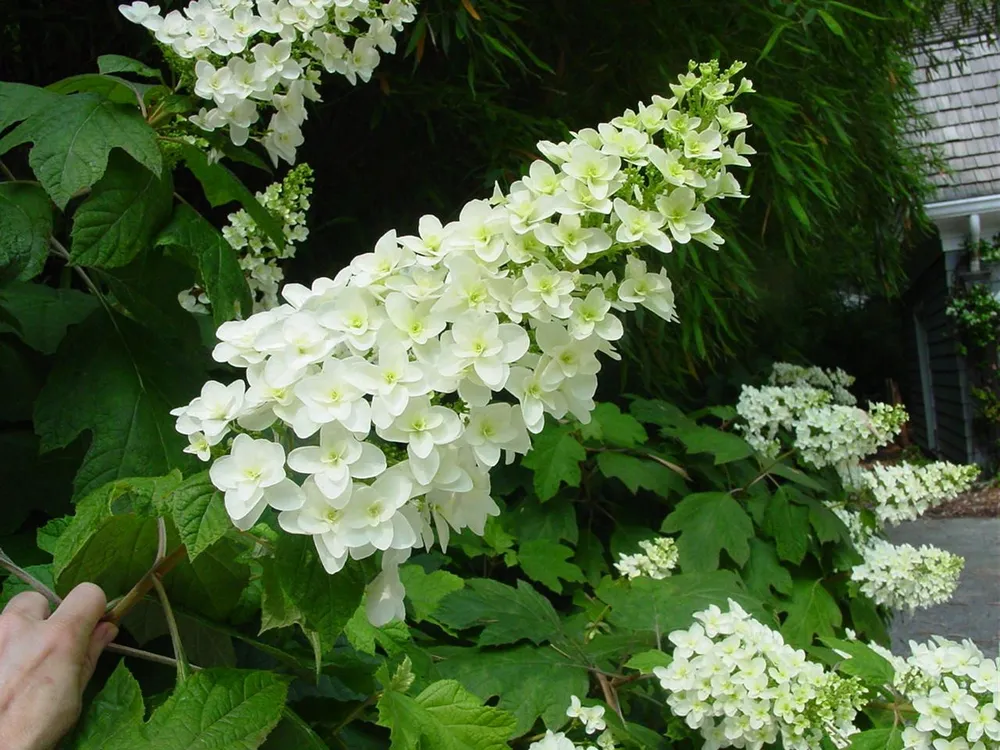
[905,491]
[836,381]
[738,683]
[955,693]
[901,576]
[823,433]
[768,410]
[838,435]
[253,53]
[813,411]
[592,719]
[657,559]
[288,202]
[426,361]
[559,741]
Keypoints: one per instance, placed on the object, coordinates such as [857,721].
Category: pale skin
[46,660]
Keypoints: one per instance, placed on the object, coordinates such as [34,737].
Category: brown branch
[145,584]
[610,696]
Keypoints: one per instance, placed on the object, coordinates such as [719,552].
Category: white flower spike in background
[251,54]
[809,411]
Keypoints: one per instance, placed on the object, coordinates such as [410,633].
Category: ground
[982,502]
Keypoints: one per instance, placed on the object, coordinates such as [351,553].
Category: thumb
[103,634]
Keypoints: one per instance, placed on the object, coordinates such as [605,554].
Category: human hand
[45,664]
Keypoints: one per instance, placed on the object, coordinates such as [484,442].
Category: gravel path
[974,612]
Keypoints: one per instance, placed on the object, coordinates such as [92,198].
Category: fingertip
[90,592]
[83,607]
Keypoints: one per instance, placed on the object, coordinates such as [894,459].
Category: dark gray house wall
[936,390]
[960,96]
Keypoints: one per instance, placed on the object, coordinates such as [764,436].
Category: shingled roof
[962,102]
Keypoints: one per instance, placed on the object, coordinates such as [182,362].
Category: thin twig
[7,173]
[17,571]
[63,253]
[161,541]
[610,696]
[175,634]
[138,653]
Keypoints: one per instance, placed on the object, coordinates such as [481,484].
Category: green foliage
[530,682]
[555,458]
[444,716]
[215,709]
[810,610]
[709,523]
[547,563]
[197,510]
[25,226]
[101,351]
[113,379]
[222,187]
[115,712]
[297,590]
[509,614]
[206,249]
[43,314]
[646,605]
[73,137]
[878,739]
[121,216]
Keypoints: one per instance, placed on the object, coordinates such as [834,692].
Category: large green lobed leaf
[73,137]
[122,214]
[118,382]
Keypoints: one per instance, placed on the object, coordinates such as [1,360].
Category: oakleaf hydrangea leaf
[199,513]
[43,314]
[25,227]
[217,262]
[122,214]
[660,606]
[709,522]
[509,614]
[445,716]
[425,591]
[222,187]
[555,458]
[810,610]
[73,137]
[609,425]
[763,571]
[639,473]
[530,682]
[112,380]
[725,446]
[297,590]
[116,712]
[546,562]
[789,525]
[214,709]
